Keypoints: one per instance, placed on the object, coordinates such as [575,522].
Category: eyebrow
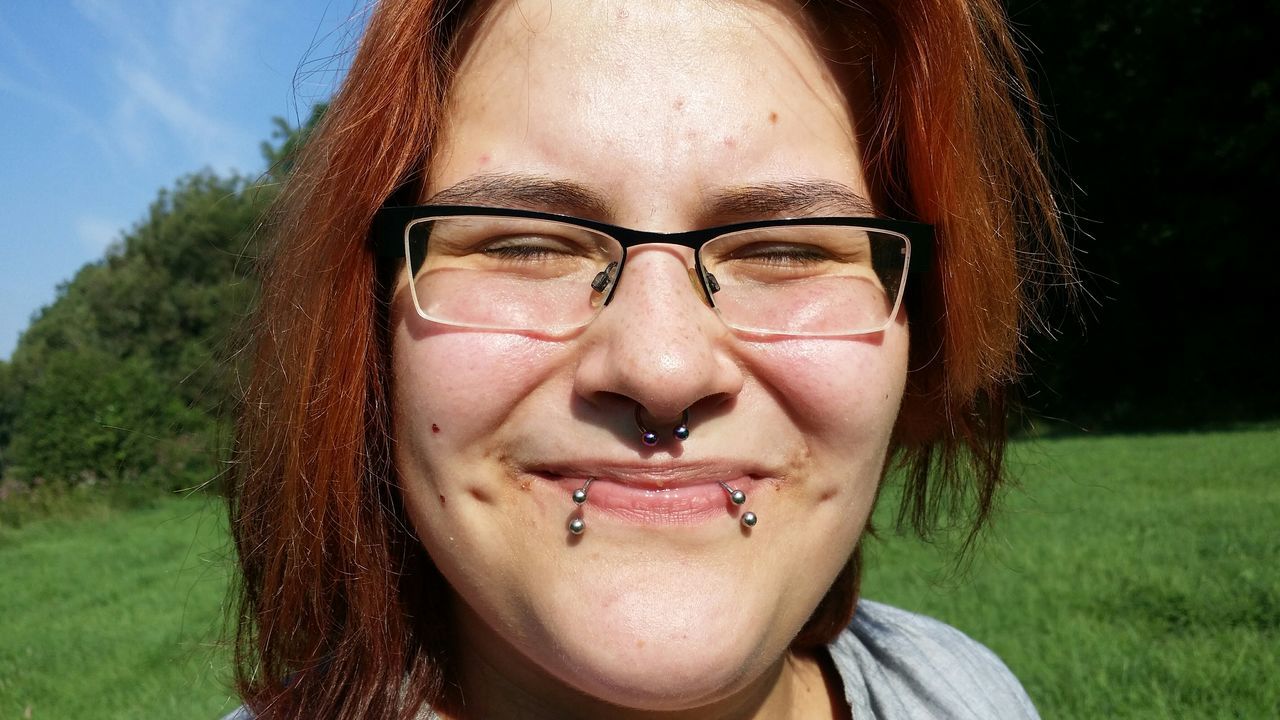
[530,192]
[789,198]
[755,201]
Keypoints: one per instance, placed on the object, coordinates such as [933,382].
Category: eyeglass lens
[528,274]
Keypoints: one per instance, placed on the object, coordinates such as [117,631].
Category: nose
[657,344]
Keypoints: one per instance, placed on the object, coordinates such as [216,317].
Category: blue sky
[104,102]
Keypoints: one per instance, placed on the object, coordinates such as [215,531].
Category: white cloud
[202,134]
[208,36]
[167,65]
[96,234]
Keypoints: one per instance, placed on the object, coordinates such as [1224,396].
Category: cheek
[834,390]
[453,390]
[840,399]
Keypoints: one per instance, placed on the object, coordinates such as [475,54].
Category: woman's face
[674,116]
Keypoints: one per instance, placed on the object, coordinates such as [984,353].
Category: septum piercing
[650,438]
[737,497]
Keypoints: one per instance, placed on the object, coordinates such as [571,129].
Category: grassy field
[114,614]
[1129,577]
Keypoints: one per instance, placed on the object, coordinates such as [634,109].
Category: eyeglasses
[525,271]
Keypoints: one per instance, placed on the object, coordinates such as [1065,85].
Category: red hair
[341,612]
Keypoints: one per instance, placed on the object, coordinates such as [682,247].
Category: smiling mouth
[656,497]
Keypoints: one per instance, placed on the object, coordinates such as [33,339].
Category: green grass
[110,613]
[1129,577]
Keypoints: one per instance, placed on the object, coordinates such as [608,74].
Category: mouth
[686,494]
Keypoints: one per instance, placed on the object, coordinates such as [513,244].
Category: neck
[796,687]
[501,685]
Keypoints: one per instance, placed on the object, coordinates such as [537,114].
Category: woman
[589,332]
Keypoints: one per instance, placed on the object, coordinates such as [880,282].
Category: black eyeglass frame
[387,235]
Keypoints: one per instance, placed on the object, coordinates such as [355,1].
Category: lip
[680,494]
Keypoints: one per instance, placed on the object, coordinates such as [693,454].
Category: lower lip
[684,505]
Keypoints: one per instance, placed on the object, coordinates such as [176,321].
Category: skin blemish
[773,118]
[730,141]
[484,159]
[442,501]
[526,485]
[435,428]
[678,104]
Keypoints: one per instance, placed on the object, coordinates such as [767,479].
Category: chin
[666,638]
[660,674]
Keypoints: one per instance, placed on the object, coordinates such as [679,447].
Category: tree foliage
[125,376]
[281,156]
[1168,126]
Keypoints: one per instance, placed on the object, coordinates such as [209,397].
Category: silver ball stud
[736,496]
[579,496]
[576,526]
[749,519]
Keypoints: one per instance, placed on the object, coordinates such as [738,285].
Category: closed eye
[780,254]
[527,248]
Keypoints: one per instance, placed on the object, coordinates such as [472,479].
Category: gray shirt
[897,665]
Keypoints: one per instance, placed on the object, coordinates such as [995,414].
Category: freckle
[442,501]
[640,642]
[435,428]
[773,118]
[730,142]
[678,104]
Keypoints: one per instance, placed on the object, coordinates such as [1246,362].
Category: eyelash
[781,255]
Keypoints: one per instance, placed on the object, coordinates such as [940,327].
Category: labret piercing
[737,497]
[576,525]
[650,438]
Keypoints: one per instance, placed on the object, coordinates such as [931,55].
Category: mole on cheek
[435,428]
[773,118]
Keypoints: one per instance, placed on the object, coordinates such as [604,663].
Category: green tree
[1169,126]
[93,417]
[125,377]
[282,156]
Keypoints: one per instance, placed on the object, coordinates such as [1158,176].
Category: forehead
[645,102]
